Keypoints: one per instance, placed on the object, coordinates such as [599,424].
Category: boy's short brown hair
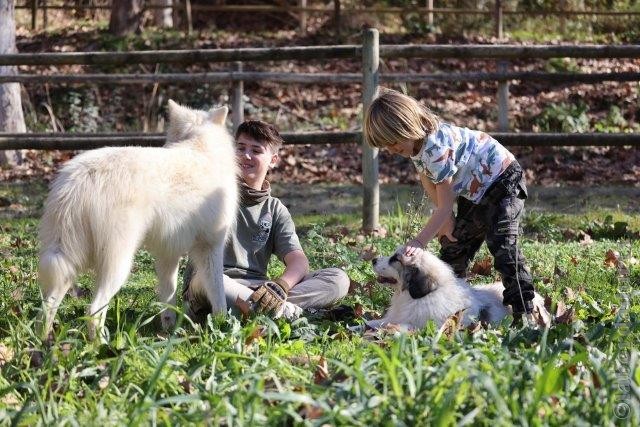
[262,132]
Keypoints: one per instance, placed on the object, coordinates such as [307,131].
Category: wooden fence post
[237,104]
[498,19]
[45,15]
[430,14]
[303,16]
[187,15]
[34,14]
[370,76]
[503,98]
[563,18]
[336,16]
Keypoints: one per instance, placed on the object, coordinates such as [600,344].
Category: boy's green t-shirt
[264,227]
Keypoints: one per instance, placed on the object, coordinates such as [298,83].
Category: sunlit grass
[313,371]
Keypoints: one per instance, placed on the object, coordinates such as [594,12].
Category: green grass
[263,372]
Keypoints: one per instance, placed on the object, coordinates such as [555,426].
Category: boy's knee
[340,280]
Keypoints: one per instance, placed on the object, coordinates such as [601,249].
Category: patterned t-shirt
[473,158]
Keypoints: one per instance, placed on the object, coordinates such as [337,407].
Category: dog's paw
[168,319]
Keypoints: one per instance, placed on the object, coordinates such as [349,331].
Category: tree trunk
[11,118]
[126,16]
[163,18]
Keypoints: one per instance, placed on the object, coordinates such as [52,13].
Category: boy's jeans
[496,220]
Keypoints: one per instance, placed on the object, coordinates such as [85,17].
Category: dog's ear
[417,282]
[218,115]
[179,113]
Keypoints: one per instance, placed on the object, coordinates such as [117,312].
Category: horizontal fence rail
[193,56]
[320,52]
[315,78]
[76,141]
[508,51]
[86,141]
[344,10]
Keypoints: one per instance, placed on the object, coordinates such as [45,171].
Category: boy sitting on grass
[265,227]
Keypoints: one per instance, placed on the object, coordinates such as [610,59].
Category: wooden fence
[369,53]
[302,11]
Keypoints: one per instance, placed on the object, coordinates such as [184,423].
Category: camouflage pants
[496,220]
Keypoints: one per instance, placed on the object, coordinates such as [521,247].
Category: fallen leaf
[358,311]
[451,325]
[596,379]
[311,412]
[103,382]
[6,354]
[380,232]
[611,258]
[564,314]
[474,327]
[586,240]
[482,267]
[66,348]
[185,383]
[36,358]
[569,293]
[558,272]
[353,287]
[10,400]
[322,371]
[17,295]
[368,253]
[574,260]
[258,332]
[541,318]
[622,269]
[304,360]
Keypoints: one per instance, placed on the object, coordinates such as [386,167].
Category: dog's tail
[63,249]
[64,232]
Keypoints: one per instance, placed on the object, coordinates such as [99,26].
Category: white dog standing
[105,204]
[426,289]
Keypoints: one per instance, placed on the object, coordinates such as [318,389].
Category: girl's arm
[445,198]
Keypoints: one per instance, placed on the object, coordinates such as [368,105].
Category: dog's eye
[394,258]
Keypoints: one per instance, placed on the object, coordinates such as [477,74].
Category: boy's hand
[270,296]
[447,229]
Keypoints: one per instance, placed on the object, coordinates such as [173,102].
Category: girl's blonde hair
[393,118]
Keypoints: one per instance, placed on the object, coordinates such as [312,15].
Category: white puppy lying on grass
[426,289]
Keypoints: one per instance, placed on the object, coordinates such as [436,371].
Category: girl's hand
[413,247]
[447,229]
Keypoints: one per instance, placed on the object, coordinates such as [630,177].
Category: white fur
[105,204]
[448,296]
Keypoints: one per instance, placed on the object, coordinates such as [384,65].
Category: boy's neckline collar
[249,196]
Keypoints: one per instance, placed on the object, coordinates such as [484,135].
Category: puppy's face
[402,272]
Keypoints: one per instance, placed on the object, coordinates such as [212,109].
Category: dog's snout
[374,261]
